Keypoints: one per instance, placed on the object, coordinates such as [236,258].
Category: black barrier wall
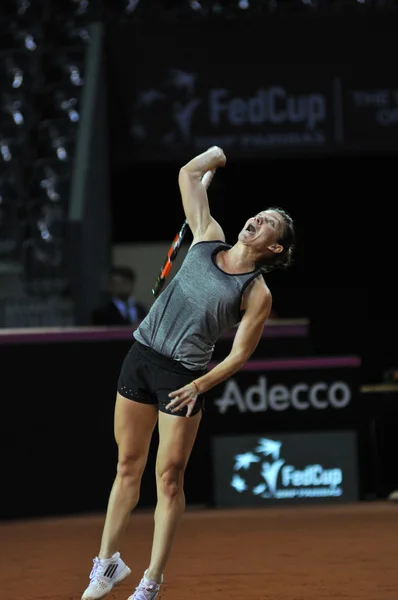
[58,391]
[56,426]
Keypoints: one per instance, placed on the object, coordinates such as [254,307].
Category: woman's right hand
[222,159]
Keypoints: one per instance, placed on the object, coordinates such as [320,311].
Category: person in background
[121,308]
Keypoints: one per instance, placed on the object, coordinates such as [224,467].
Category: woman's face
[263,231]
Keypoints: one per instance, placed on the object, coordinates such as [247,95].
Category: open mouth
[251,228]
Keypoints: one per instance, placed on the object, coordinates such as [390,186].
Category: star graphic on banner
[147,97]
[269,448]
[243,461]
[238,483]
[183,80]
[259,489]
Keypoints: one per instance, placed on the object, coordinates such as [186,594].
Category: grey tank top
[196,307]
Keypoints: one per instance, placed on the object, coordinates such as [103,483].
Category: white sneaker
[146,589]
[105,574]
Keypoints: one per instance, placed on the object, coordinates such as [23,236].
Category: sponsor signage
[187,112]
[370,109]
[287,393]
[262,469]
[171,96]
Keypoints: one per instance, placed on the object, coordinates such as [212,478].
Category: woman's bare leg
[176,439]
[134,425]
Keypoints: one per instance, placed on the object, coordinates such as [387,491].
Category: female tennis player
[164,376]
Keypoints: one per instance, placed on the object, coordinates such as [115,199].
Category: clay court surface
[303,553]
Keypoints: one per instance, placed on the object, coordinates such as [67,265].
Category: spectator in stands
[121,308]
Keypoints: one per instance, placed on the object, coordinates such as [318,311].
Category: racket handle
[172,254]
[157,288]
[183,229]
[164,272]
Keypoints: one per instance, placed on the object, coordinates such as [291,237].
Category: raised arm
[194,179]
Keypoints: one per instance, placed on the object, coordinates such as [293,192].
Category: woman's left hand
[185,396]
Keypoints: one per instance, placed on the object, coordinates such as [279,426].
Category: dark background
[343,278]
[57,399]
[342,199]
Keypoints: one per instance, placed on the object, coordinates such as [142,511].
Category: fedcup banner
[172,96]
[285,468]
[244,112]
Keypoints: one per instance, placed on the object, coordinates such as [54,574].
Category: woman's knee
[170,479]
[130,465]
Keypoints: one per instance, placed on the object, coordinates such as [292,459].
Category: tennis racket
[176,245]
[171,256]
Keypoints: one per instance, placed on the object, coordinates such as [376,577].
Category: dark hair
[287,239]
[125,272]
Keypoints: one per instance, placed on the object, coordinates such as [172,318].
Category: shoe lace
[142,588]
[94,570]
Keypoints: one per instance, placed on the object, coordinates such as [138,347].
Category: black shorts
[148,377]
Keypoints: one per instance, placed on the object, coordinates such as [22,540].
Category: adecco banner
[172,96]
[287,393]
[284,468]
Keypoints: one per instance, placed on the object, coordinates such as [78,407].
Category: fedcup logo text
[273,105]
[278,397]
[295,117]
[276,479]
